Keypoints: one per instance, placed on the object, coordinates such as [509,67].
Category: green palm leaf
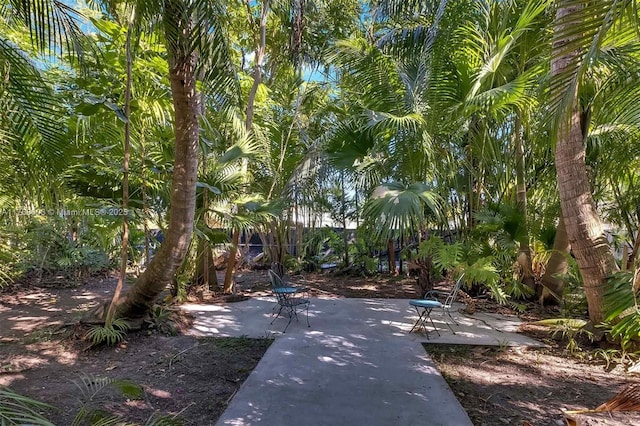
[53,24]
[579,36]
[16,409]
[396,208]
[33,120]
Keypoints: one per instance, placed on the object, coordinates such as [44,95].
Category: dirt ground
[192,380]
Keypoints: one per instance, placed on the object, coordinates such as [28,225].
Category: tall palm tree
[187,30]
[580,30]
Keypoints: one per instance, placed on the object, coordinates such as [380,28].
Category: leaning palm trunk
[586,236]
[134,304]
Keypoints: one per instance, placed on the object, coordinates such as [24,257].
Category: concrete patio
[356,365]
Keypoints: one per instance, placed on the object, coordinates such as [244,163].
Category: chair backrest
[276,280]
[451,297]
[278,268]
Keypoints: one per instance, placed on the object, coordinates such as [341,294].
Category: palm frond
[621,307]
[396,208]
[580,32]
[53,24]
[16,409]
[33,119]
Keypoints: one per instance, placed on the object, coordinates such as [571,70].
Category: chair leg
[278,315]
[431,319]
[292,312]
[418,321]
[421,322]
[290,318]
[446,311]
[452,318]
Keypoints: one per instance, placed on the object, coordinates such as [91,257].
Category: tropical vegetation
[498,137]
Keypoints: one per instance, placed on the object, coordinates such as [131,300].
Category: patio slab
[356,365]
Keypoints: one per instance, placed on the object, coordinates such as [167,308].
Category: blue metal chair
[430,302]
[290,299]
[278,268]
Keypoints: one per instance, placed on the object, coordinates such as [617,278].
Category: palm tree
[260,25]
[579,33]
[504,52]
[186,26]
[191,37]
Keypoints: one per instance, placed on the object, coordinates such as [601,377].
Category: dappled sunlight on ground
[221,325]
[29,324]
[52,351]
[158,393]
[9,379]
[521,384]
[381,317]
[12,365]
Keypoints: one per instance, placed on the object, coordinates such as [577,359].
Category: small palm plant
[16,409]
[110,333]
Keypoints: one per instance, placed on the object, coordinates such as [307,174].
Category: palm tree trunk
[391,246]
[524,251]
[590,247]
[557,266]
[134,304]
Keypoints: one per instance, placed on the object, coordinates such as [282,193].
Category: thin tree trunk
[125,180]
[145,202]
[231,262]
[355,195]
[257,79]
[586,236]
[345,236]
[205,270]
[134,304]
[553,279]
[524,251]
[472,181]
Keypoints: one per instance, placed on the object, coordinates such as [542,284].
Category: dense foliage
[431,127]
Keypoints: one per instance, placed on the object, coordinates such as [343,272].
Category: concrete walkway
[356,365]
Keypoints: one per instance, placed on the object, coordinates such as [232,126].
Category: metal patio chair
[278,268]
[290,299]
[425,306]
